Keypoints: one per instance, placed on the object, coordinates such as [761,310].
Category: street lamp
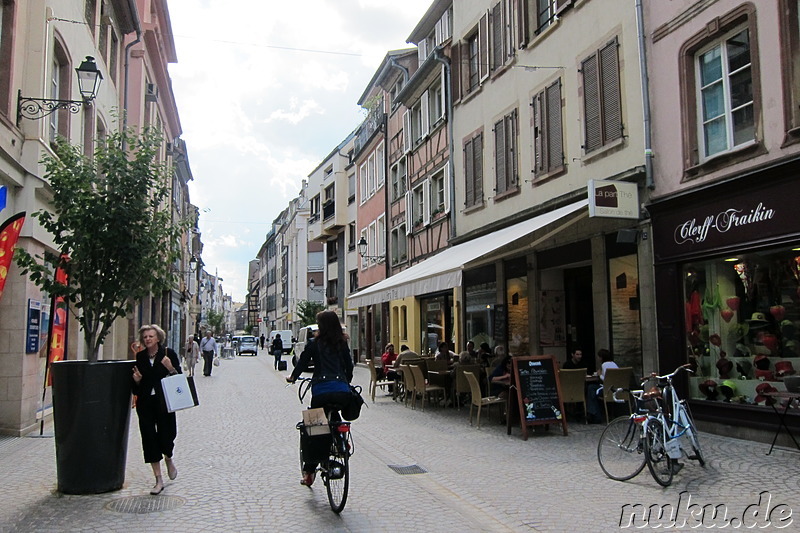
[362,250]
[89,78]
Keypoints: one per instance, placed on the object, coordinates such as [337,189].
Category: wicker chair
[477,400]
[616,378]
[573,387]
[422,387]
[373,380]
[461,385]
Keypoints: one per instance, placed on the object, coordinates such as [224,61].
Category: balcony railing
[370,125]
[328,210]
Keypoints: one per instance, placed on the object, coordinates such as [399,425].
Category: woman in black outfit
[157,426]
[330,383]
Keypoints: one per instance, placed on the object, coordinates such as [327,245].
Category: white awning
[443,270]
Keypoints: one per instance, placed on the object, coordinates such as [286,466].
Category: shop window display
[742,316]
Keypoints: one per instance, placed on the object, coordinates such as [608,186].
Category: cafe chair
[573,387]
[422,387]
[461,385]
[373,380]
[477,400]
[617,378]
[409,392]
[436,366]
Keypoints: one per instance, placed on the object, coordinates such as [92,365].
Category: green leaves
[111,214]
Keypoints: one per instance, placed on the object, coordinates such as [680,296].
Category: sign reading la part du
[728,222]
[613,199]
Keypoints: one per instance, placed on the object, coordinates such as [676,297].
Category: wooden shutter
[446,178]
[555,145]
[539,157]
[497,41]
[521,12]
[456,70]
[500,157]
[407,141]
[426,202]
[610,90]
[424,126]
[477,177]
[483,47]
[409,212]
[443,95]
[511,151]
[591,104]
[469,173]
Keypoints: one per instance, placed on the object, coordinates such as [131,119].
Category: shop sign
[728,222]
[613,199]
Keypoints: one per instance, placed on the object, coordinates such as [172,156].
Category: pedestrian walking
[277,349]
[262,340]
[191,355]
[156,425]
[209,348]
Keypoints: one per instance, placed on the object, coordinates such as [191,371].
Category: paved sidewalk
[238,471]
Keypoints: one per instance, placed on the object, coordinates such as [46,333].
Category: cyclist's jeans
[316,448]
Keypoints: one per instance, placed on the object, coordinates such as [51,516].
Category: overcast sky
[265,90]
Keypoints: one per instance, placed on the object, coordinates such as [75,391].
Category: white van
[300,345]
[286,339]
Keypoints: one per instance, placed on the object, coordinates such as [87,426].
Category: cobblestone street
[238,471]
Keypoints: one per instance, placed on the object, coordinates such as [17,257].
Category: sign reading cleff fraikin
[613,199]
[727,221]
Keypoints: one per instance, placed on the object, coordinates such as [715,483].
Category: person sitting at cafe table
[388,358]
[499,357]
[594,391]
[485,354]
[468,357]
[444,353]
[500,378]
[575,360]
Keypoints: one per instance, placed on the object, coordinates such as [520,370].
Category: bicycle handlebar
[687,367]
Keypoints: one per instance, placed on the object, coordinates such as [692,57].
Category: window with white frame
[351,236]
[438,192]
[380,166]
[351,188]
[398,174]
[436,104]
[545,14]
[380,224]
[362,178]
[420,214]
[399,245]
[725,94]
[371,174]
[372,231]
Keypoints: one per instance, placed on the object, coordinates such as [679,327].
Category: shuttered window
[505,153]
[547,132]
[473,170]
[602,106]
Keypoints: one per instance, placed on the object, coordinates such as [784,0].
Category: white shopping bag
[177,393]
[316,422]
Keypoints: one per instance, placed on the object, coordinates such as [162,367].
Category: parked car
[247,344]
[299,346]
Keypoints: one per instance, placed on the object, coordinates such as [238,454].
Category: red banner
[9,233]
[57,345]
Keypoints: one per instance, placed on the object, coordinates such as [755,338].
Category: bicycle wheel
[691,432]
[336,475]
[620,451]
[655,452]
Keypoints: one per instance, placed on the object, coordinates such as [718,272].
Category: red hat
[784,368]
[709,389]
[761,361]
[762,397]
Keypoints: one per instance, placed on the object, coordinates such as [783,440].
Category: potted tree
[117,241]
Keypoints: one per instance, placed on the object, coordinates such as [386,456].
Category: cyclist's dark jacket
[333,368]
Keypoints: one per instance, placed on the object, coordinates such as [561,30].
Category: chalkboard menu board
[500,324]
[538,391]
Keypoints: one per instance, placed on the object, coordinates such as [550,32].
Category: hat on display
[788,329]
[741,350]
[757,320]
[761,361]
[728,389]
[709,389]
[765,375]
[744,368]
[761,393]
[784,368]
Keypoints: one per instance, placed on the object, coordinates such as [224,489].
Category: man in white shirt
[209,348]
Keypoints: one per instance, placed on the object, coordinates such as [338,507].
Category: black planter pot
[91,417]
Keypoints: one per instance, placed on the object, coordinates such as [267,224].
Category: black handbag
[353,410]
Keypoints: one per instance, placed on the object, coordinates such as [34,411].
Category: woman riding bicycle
[330,383]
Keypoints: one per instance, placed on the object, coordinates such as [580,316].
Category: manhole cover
[145,504]
[406,470]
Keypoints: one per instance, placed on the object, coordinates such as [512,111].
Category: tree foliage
[216,321]
[108,216]
[307,311]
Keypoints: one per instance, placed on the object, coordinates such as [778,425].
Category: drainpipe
[404,70]
[445,61]
[648,148]
[137,26]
